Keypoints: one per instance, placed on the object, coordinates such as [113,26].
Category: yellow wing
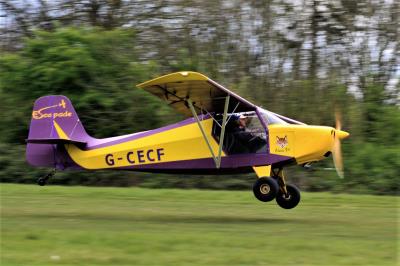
[206,94]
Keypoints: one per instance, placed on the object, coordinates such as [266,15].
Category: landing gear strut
[43,180]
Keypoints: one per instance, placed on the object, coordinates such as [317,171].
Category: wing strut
[217,159]
[222,135]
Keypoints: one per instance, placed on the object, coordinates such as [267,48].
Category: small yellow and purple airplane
[223,134]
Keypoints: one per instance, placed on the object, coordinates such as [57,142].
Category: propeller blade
[337,157]
[338,118]
[337,151]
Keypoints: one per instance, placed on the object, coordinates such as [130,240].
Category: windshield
[271,118]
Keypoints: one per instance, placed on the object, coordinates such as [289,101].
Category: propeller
[336,149]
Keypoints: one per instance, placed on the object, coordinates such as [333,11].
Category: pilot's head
[242,121]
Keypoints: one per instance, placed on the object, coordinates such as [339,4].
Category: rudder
[54,122]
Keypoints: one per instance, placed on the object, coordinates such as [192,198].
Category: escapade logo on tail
[37,114]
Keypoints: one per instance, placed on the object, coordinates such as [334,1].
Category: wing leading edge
[206,95]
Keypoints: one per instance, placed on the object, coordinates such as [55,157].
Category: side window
[255,127]
[244,133]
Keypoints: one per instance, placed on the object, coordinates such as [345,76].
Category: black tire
[41,181]
[265,189]
[290,201]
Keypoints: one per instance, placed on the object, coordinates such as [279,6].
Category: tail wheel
[289,200]
[41,181]
[265,189]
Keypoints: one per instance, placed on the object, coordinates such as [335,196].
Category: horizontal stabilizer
[55,141]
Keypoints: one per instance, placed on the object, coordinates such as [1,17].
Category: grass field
[55,225]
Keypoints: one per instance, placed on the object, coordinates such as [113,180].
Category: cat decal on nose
[282,142]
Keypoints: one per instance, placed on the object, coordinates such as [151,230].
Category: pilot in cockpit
[246,141]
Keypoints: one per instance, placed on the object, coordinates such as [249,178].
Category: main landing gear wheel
[265,189]
[289,200]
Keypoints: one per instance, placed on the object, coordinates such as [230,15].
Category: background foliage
[302,59]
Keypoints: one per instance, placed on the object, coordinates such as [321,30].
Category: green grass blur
[56,225]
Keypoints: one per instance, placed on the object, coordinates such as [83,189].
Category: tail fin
[54,120]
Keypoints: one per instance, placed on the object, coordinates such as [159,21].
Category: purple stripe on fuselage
[232,161]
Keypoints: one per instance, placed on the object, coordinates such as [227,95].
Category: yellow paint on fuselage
[262,171]
[304,143]
[181,143]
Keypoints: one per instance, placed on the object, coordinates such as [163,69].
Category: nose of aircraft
[342,134]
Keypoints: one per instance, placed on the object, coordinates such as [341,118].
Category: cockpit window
[271,118]
[244,133]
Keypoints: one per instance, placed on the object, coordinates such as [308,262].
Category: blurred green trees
[300,60]
[96,69]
